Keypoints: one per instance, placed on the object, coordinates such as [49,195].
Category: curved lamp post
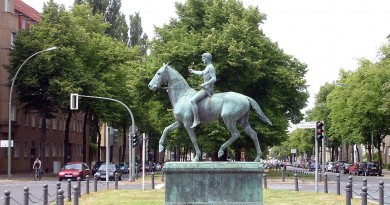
[10,104]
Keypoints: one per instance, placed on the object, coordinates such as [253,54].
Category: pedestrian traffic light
[320,131]
[134,140]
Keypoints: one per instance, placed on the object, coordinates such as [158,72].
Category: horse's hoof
[257,159]
[196,159]
[160,148]
[220,153]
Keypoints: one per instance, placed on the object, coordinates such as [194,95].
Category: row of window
[54,123]
[51,149]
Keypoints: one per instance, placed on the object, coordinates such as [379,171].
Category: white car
[329,166]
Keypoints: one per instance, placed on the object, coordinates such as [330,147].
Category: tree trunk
[67,150]
[99,139]
[85,141]
[43,139]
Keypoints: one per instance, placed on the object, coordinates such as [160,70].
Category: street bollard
[350,179]
[58,185]
[45,194]
[87,184]
[162,175]
[296,182]
[348,193]
[60,194]
[364,182]
[283,175]
[319,177]
[79,185]
[265,181]
[75,195]
[364,195]
[95,183]
[152,180]
[325,183]
[116,180]
[381,194]
[26,195]
[69,190]
[338,184]
[7,198]
[137,171]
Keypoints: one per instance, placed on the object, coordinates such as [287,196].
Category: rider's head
[206,57]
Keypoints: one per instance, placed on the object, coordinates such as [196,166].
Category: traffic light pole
[74,106]
[316,161]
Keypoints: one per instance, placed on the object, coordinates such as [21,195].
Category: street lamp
[10,103]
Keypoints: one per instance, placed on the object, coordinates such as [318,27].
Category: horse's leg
[166,131]
[194,142]
[231,125]
[249,131]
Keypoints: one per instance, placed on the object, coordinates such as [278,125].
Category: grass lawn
[139,197]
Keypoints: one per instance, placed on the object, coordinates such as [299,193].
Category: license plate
[373,167]
[68,175]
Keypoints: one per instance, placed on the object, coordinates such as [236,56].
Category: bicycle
[37,174]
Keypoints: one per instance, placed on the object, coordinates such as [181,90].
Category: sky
[327,35]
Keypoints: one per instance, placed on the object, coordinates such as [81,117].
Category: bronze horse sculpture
[232,107]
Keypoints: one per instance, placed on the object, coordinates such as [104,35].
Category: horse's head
[159,78]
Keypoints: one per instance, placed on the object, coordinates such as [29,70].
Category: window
[47,123]
[7,7]
[61,150]
[25,149]
[24,23]
[16,149]
[13,35]
[26,119]
[54,123]
[33,120]
[54,149]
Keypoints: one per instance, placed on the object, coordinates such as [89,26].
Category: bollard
[58,185]
[350,178]
[95,183]
[60,194]
[26,196]
[45,194]
[79,186]
[136,171]
[338,184]
[325,183]
[381,194]
[7,198]
[265,181]
[364,195]
[152,180]
[319,177]
[364,182]
[75,195]
[116,180]
[162,175]
[87,184]
[348,194]
[69,190]
[296,182]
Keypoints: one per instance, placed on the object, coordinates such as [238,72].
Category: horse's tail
[258,110]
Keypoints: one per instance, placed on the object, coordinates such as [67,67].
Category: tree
[245,59]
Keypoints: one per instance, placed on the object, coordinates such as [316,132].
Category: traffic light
[134,140]
[320,131]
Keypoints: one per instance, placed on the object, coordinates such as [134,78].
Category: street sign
[293,151]
[306,125]
[4,143]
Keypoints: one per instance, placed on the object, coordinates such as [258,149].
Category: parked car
[96,166]
[158,167]
[148,167]
[124,167]
[329,166]
[313,166]
[338,166]
[112,169]
[358,168]
[73,170]
[345,168]
[373,168]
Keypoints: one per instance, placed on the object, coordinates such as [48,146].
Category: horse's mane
[178,76]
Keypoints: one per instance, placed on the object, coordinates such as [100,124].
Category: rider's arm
[197,72]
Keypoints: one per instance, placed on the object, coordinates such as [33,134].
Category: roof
[27,10]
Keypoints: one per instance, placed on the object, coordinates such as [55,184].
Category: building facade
[26,124]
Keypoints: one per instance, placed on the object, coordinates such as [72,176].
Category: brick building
[26,132]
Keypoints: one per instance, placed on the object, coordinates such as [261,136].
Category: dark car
[148,167]
[338,166]
[73,170]
[373,168]
[124,167]
[345,168]
[96,166]
[112,169]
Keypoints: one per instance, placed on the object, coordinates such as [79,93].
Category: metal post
[296,182]
[364,182]
[325,183]
[75,195]
[162,175]
[107,157]
[87,184]
[116,180]
[45,194]
[95,183]
[338,184]
[265,181]
[69,190]
[381,194]
[7,198]
[58,185]
[60,194]
[79,186]
[350,179]
[319,177]
[26,195]
[283,175]
[152,180]
[364,195]
[348,194]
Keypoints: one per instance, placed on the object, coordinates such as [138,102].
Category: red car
[73,170]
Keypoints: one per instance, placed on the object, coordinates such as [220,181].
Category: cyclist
[37,167]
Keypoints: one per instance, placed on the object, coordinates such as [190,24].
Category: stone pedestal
[213,183]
